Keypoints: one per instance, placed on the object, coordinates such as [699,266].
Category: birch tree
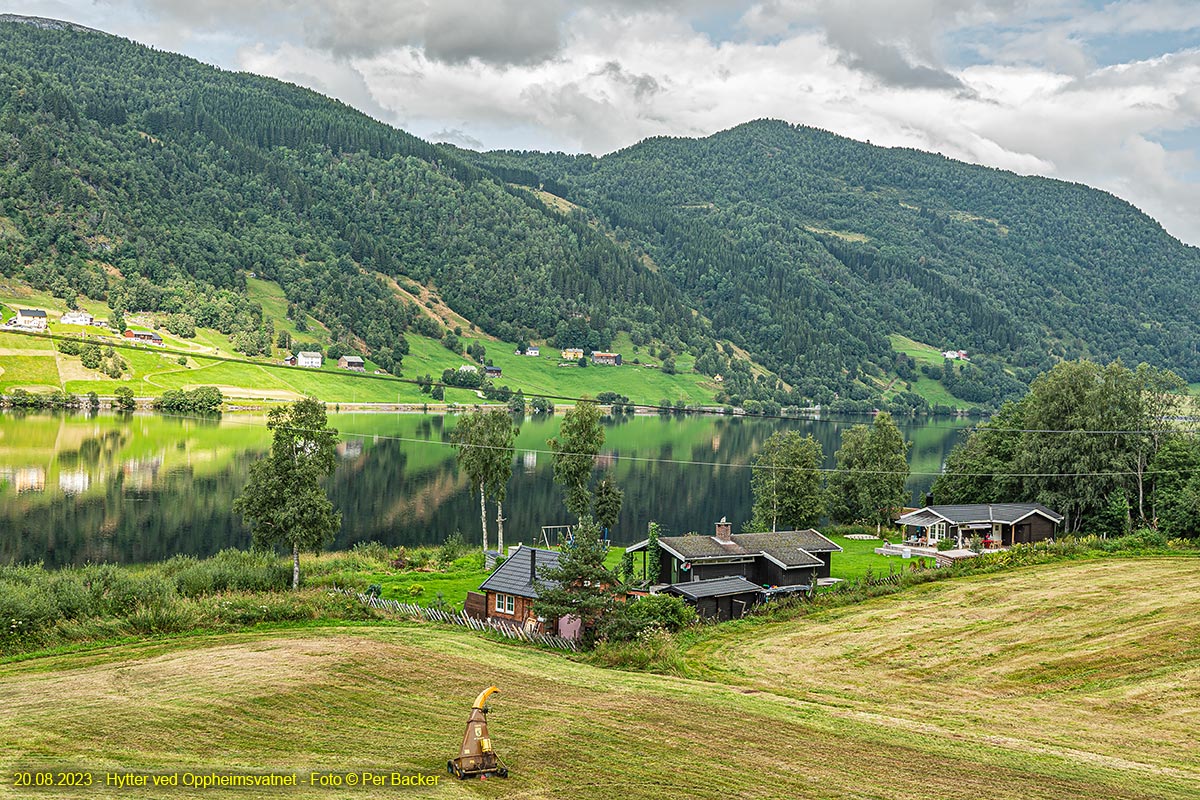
[284,501]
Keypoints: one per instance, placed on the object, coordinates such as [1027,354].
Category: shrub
[453,547]
[232,570]
[168,616]
[633,618]
[373,551]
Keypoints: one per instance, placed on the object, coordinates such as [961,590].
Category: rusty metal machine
[476,756]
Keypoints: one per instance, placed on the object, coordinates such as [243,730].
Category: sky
[1103,93]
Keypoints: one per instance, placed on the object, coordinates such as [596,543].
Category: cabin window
[505,603]
[508,603]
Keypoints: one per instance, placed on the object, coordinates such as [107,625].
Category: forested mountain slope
[808,249]
[158,183]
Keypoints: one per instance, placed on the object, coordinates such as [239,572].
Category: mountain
[813,252]
[159,184]
[800,266]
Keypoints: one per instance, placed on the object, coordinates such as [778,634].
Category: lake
[144,487]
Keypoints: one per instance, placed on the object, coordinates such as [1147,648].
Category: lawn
[920,352]
[453,582]
[859,557]
[270,296]
[28,372]
[1064,681]
[1068,662]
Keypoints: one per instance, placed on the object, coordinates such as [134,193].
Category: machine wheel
[450,767]
[502,772]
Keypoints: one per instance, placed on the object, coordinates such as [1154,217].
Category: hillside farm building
[144,336]
[306,358]
[31,319]
[76,318]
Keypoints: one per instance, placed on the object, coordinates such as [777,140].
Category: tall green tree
[580,585]
[1176,496]
[1087,441]
[284,502]
[786,482]
[575,449]
[484,439]
[607,505]
[872,468]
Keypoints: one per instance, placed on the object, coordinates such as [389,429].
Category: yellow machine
[476,756]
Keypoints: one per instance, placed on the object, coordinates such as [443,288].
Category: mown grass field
[1074,680]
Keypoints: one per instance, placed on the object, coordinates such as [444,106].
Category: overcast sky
[1105,93]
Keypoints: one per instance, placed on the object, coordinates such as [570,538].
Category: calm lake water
[80,488]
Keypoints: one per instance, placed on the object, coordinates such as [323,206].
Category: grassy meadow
[1074,679]
[32,363]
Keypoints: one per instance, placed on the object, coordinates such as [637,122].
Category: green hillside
[809,250]
[787,260]
[1041,691]
[251,208]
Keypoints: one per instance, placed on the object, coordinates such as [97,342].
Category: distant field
[924,354]
[155,371]
[1069,681]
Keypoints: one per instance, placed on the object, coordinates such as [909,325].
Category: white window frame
[500,602]
[510,604]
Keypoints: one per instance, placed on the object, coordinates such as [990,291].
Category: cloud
[456,136]
[1035,86]
[500,32]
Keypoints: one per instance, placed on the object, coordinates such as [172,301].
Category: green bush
[169,616]
[633,618]
[233,570]
[455,546]
[374,551]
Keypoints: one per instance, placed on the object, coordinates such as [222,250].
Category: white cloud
[1015,84]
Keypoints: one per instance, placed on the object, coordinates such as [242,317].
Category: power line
[734,465]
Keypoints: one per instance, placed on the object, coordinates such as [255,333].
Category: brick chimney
[532,565]
[724,530]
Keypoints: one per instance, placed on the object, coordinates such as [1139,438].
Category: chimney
[724,529]
[532,565]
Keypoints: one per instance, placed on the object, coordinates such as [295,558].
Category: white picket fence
[414,611]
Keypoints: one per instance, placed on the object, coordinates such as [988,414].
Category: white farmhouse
[306,358]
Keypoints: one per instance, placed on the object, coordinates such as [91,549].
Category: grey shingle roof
[985,512]
[31,312]
[790,548]
[714,587]
[512,577]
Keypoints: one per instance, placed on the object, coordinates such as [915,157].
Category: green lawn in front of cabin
[858,557]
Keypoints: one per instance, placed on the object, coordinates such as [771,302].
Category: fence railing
[507,630]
